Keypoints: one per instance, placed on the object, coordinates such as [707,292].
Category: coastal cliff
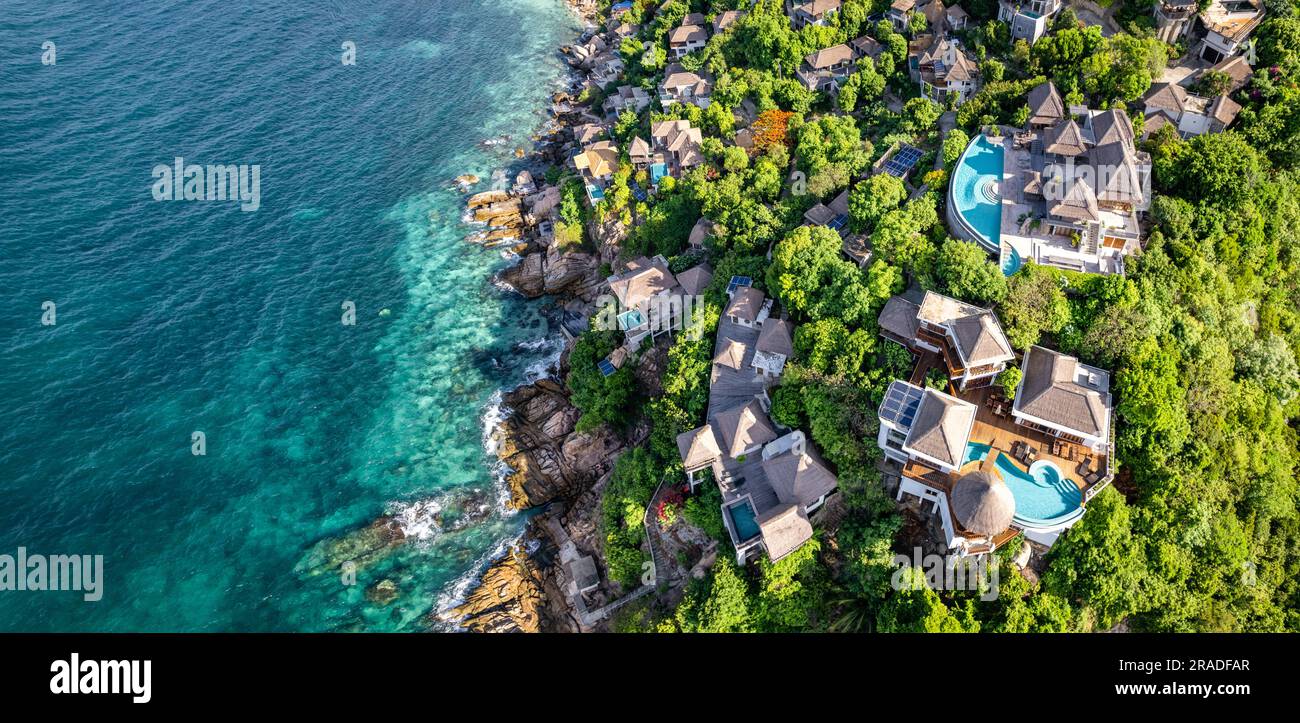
[537,441]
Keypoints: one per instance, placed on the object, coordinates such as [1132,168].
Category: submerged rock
[353,551]
[383,592]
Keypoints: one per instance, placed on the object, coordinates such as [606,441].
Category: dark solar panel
[605,367]
[900,403]
[739,281]
[902,161]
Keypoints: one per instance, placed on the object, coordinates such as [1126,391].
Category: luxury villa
[649,299]
[942,69]
[1189,114]
[677,148]
[1028,19]
[812,12]
[970,339]
[682,86]
[1227,24]
[596,163]
[993,467]
[1066,191]
[686,39]
[772,479]
[826,69]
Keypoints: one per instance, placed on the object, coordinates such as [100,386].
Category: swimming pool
[975,452]
[975,195]
[1044,497]
[742,520]
[1010,260]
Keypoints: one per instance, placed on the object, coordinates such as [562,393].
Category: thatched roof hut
[982,503]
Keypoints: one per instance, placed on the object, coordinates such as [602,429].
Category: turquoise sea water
[974,190]
[182,317]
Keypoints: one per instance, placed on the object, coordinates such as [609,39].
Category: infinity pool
[1044,496]
[1010,261]
[975,191]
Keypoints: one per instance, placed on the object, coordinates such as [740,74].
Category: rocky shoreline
[549,463]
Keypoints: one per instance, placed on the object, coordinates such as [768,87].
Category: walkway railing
[1106,479]
[649,519]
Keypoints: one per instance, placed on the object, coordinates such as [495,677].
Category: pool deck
[1018,167]
[1001,432]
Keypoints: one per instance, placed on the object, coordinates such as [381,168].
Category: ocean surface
[179,317]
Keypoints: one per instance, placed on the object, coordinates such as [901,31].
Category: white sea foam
[549,365]
[419,519]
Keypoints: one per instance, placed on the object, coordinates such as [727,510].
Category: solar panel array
[606,368]
[902,161]
[838,222]
[637,191]
[900,403]
[739,281]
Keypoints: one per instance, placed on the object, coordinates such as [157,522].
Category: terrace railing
[1106,479]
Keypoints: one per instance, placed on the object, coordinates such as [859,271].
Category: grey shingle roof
[776,338]
[743,427]
[942,427]
[1049,392]
[785,529]
[1045,104]
[798,478]
[698,447]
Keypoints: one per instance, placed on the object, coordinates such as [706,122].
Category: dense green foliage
[1200,529]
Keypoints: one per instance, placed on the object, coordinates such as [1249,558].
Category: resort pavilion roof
[695,279]
[742,428]
[775,338]
[941,428]
[828,57]
[1049,392]
[1045,104]
[746,304]
[798,477]
[784,529]
[899,317]
[1112,126]
[731,355]
[698,447]
[1078,204]
[1064,139]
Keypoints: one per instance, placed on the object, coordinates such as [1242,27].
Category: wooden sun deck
[1002,431]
